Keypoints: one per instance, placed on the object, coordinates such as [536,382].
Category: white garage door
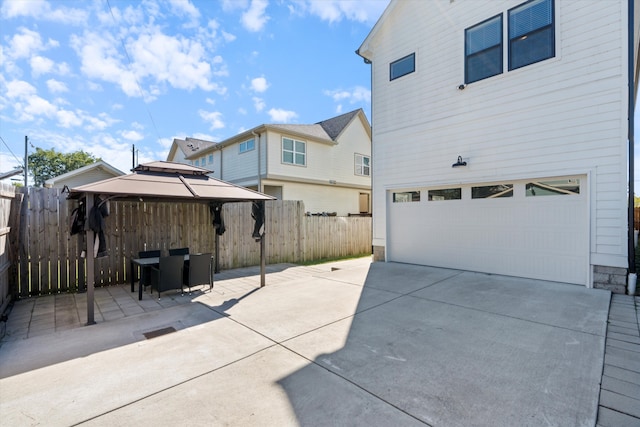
[534,228]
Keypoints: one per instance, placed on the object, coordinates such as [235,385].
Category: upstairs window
[210,158]
[402,66]
[362,166]
[483,50]
[294,152]
[531,33]
[247,145]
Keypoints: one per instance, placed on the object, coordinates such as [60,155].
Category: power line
[8,148]
[135,78]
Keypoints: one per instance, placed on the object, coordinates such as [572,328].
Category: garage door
[531,228]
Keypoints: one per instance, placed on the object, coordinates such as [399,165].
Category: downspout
[370,63]
[257,137]
[221,150]
[631,112]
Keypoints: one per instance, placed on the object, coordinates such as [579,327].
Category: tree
[45,164]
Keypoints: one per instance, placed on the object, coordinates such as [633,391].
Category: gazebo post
[90,262]
[216,267]
[263,262]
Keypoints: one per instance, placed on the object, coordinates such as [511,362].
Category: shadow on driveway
[451,348]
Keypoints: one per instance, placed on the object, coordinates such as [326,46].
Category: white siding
[322,198]
[565,115]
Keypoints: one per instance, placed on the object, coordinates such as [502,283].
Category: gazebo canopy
[162,181]
[167,180]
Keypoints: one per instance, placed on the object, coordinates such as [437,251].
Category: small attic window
[402,66]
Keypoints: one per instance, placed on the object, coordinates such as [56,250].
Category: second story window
[483,50]
[247,145]
[210,158]
[531,33]
[294,152]
[362,165]
[402,66]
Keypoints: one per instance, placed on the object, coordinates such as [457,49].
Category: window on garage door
[492,191]
[559,187]
[445,194]
[406,196]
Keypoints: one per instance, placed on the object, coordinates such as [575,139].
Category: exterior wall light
[459,163]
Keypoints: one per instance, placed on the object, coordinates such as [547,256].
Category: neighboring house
[500,136]
[85,175]
[183,148]
[327,165]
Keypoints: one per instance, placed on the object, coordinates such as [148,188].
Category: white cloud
[228,37]
[259,84]
[259,104]
[156,59]
[281,116]
[42,10]
[184,8]
[230,5]
[254,19]
[100,60]
[357,94]
[40,65]
[68,119]
[25,44]
[132,135]
[214,118]
[20,89]
[176,60]
[56,86]
[337,10]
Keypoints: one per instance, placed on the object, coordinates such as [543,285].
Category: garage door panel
[538,237]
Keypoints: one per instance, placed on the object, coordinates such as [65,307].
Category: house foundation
[613,279]
[378,253]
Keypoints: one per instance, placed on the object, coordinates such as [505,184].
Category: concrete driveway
[351,343]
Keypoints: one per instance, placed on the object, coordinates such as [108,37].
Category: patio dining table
[142,263]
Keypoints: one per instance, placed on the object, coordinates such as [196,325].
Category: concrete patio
[343,343]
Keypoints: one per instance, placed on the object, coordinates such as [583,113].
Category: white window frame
[360,167]
[248,145]
[294,151]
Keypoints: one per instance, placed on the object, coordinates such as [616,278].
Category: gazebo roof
[167,180]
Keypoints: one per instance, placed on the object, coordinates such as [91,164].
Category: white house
[500,136]
[85,175]
[327,165]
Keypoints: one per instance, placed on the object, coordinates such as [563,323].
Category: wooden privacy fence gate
[48,259]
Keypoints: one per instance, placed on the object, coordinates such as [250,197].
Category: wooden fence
[47,259]
[7,196]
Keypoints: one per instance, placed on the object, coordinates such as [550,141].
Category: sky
[104,75]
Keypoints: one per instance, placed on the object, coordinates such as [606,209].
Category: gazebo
[164,181]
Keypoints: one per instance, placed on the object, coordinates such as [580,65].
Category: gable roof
[364,49]
[189,146]
[327,131]
[334,126]
[101,165]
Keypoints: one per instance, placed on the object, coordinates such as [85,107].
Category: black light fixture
[459,163]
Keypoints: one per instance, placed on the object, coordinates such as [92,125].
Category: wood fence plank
[51,256]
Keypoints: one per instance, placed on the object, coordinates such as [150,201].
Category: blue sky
[102,75]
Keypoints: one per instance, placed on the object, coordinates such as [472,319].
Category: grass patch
[326,260]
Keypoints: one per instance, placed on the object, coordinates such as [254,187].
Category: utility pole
[133,156]
[26,161]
